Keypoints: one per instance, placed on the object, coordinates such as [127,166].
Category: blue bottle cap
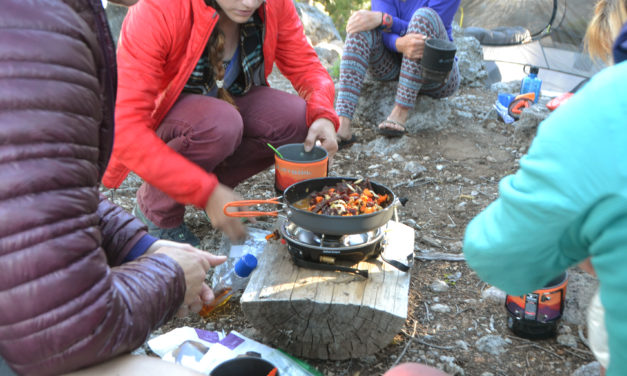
[245,265]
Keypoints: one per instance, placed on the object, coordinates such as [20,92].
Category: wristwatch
[386,22]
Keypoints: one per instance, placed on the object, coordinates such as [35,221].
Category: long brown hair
[216,54]
[609,17]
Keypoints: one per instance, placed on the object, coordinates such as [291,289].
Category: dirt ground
[463,165]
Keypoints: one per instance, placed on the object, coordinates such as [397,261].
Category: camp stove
[331,252]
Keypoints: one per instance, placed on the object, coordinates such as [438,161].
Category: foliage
[340,10]
[335,69]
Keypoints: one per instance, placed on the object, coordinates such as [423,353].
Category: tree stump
[330,315]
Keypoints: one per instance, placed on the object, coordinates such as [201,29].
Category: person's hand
[322,130]
[363,20]
[411,45]
[231,226]
[195,264]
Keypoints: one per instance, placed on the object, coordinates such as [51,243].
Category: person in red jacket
[195,112]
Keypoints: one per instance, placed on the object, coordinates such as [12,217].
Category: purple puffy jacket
[66,299]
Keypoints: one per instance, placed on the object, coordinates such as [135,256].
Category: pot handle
[251,213]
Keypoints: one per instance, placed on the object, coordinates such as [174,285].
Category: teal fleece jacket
[568,201]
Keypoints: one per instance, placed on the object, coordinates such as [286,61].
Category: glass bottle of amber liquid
[232,281]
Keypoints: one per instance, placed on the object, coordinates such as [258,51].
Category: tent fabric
[545,33]
[499,36]
[567,19]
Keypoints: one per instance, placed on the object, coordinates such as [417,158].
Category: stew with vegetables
[345,199]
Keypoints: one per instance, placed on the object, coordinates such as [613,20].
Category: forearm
[120,231]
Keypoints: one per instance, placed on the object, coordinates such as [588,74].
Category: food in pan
[345,199]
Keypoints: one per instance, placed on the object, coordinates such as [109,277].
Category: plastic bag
[501,106]
[597,332]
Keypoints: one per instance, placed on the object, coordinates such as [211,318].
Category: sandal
[344,143]
[391,132]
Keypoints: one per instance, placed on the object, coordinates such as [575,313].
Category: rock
[452,278]
[329,52]
[462,344]
[492,344]
[383,146]
[115,16]
[590,369]
[412,223]
[377,99]
[431,241]
[564,329]
[511,87]
[494,294]
[581,287]
[439,286]
[450,367]
[525,128]
[567,340]
[318,26]
[469,55]
[465,114]
[456,247]
[442,308]
[250,332]
[414,168]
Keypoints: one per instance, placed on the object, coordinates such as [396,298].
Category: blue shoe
[180,234]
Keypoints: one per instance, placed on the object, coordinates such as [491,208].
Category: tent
[544,33]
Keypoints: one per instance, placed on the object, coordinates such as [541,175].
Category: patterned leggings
[365,51]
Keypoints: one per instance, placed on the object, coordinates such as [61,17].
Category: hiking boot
[180,234]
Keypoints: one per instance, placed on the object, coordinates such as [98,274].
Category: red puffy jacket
[66,299]
[160,44]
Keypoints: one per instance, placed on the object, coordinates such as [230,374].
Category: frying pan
[321,223]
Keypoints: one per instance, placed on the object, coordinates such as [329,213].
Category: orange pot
[297,165]
[536,314]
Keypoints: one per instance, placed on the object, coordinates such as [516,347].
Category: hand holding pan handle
[235,204]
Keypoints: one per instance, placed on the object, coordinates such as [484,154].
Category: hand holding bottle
[195,264]
[233,280]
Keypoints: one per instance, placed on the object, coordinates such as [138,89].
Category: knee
[425,21]
[366,38]
[423,13]
[222,127]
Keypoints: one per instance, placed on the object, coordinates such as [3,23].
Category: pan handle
[236,204]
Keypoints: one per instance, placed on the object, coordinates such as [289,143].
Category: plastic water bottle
[531,83]
[233,280]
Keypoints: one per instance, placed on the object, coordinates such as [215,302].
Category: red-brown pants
[230,143]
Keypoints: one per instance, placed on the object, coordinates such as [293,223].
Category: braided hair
[216,54]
